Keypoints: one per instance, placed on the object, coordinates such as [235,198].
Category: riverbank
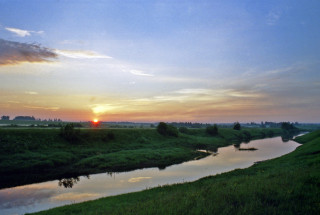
[285,185]
[37,155]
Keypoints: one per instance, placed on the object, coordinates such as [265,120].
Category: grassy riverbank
[36,155]
[285,185]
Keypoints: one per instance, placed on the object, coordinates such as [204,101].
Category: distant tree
[162,128]
[27,118]
[212,130]
[287,126]
[236,126]
[167,130]
[5,117]
[69,133]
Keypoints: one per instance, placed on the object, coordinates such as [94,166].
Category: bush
[110,136]
[236,126]
[184,130]
[172,131]
[69,133]
[167,130]
[246,136]
[212,130]
[270,133]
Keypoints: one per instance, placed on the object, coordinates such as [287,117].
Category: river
[42,196]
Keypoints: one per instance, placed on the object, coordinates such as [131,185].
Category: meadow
[285,185]
[30,155]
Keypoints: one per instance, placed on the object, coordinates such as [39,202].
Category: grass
[285,185]
[37,155]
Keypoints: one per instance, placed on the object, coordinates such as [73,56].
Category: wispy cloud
[22,33]
[43,108]
[194,91]
[12,53]
[81,54]
[31,93]
[140,73]
[202,95]
[283,70]
[273,17]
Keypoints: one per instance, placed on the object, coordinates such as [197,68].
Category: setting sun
[95,120]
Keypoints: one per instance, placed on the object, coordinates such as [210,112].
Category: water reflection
[68,182]
[41,196]
[236,146]
[288,136]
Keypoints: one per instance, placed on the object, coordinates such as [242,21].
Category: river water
[42,196]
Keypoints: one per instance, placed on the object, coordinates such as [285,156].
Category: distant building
[25,118]
[5,118]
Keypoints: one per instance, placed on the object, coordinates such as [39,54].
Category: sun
[95,120]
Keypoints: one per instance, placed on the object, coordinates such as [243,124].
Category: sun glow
[95,120]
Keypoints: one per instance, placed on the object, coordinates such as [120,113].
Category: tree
[69,133]
[212,130]
[5,117]
[162,128]
[167,130]
[236,126]
[287,126]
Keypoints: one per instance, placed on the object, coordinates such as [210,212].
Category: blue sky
[208,61]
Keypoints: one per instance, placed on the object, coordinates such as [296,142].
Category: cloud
[12,53]
[81,54]
[103,108]
[140,73]
[204,95]
[194,91]
[273,17]
[43,108]
[31,93]
[282,70]
[22,33]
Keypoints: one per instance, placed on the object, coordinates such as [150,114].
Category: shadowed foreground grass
[36,155]
[285,185]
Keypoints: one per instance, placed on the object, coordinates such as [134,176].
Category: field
[35,155]
[285,185]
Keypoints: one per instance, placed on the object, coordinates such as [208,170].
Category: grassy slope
[285,185]
[35,155]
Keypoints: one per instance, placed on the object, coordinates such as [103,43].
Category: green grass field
[36,155]
[286,185]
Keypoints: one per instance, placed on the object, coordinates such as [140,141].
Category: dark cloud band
[14,53]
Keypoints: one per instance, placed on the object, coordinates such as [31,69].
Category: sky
[156,60]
